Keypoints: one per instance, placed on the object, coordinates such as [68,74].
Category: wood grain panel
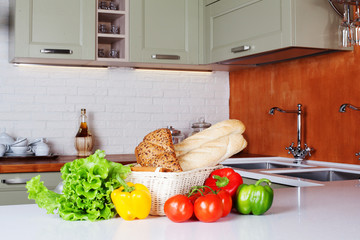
[321,84]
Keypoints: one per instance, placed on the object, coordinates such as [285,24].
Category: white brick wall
[123,104]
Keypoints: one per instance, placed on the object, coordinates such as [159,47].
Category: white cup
[41,149]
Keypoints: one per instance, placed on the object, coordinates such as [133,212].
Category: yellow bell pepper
[132,201]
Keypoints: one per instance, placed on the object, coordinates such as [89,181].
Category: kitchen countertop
[326,212]
[43,164]
[51,164]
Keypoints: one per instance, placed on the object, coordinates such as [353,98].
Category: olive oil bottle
[84,141]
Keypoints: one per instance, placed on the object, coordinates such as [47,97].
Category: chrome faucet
[343,109]
[298,152]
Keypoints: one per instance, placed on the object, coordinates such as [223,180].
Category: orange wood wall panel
[321,84]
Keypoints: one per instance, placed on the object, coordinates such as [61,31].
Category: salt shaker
[177,136]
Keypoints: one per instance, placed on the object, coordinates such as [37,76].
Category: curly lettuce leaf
[87,185]
[43,197]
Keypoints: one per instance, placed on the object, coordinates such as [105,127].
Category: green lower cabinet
[164,31]
[12,186]
[273,185]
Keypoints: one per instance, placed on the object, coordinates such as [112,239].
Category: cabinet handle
[15,181]
[240,49]
[166,57]
[212,3]
[56,51]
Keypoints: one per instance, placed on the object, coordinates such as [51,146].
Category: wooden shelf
[106,38]
[110,12]
[108,41]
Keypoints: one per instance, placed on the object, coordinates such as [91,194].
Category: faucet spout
[347,105]
[272,110]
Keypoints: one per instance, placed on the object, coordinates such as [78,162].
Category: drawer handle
[166,57]
[56,51]
[15,181]
[240,49]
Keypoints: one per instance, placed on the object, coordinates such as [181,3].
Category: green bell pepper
[254,198]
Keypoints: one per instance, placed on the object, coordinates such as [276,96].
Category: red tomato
[208,208]
[178,208]
[226,200]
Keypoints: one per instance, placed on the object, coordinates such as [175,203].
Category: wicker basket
[163,185]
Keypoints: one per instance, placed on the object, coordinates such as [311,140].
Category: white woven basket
[163,185]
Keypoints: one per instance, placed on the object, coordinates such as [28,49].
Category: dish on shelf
[11,154]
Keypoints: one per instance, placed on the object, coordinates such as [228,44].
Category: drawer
[13,190]
[14,198]
[17,181]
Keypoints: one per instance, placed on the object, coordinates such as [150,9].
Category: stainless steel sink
[265,165]
[324,175]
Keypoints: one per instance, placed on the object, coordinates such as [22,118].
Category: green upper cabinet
[164,31]
[239,28]
[53,29]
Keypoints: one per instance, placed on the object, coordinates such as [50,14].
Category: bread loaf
[212,145]
[157,150]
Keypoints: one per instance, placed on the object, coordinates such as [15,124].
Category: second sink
[265,165]
[324,175]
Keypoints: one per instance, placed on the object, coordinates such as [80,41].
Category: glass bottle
[177,136]
[84,140]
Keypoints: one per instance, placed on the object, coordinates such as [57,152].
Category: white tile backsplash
[123,104]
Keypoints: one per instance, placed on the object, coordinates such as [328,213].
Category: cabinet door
[12,186]
[236,28]
[164,31]
[55,29]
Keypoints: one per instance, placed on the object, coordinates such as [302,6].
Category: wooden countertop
[41,164]
[53,164]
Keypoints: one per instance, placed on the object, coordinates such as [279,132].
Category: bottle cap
[201,123]
[174,132]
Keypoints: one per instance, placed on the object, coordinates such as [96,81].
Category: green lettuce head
[87,185]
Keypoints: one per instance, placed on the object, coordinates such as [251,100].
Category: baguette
[214,132]
[211,146]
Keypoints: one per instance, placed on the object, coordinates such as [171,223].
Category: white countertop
[324,210]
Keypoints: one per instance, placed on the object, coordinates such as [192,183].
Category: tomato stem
[199,189]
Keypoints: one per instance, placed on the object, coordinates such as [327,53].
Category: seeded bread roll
[212,145]
[157,150]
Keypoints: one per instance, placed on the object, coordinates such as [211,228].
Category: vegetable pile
[88,183]
[223,190]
